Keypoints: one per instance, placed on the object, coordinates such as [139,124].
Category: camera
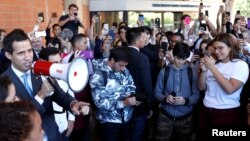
[75,14]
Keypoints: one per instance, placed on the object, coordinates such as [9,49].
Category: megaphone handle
[50,82]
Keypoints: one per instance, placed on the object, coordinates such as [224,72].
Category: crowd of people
[144,83]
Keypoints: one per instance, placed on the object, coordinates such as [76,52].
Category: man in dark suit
[30,87]
[140,70]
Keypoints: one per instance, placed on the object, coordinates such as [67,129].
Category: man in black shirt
[71,21]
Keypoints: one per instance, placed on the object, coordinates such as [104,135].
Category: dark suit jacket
[45,110]
[151,51]
[139,68]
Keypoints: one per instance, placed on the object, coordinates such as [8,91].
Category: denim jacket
[178,82]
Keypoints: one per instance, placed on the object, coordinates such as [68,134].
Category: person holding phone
[223,83]
[71,20]
[177,93]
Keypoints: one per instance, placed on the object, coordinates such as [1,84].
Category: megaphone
[75,74]
[87,54]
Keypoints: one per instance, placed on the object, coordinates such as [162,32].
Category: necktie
[25,83]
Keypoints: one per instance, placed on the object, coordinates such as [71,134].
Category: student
[176,90]
[112,89]
[223,83]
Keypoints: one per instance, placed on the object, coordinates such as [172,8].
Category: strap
[190,77]
[166,74]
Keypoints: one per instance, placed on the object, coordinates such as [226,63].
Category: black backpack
[166,74]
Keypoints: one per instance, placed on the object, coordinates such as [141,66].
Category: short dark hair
[181,50]
[73,5]
[55,25]
[123,24]
[15,120]
[46,52]
[133,34]
[119,54]
[147,29]
[2,30]
[5,82]
[76,38]
[184,16]
[122,27]
[178,34]
[15,35]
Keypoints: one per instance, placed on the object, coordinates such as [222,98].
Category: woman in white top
[223,82]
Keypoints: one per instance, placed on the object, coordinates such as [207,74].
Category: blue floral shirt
[109,97]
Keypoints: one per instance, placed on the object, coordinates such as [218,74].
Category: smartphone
[164,46]
[106,28]
[238,12]
[41,16]
[157,22]
[173,94]
[40,34]
[196,52]
[240,35]
[141,18]
[206,13]
[207,53]
[228,13]
[221,7]
[54,15]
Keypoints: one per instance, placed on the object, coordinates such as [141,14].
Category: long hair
[229,41]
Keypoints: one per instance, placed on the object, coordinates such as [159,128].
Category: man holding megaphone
[30,87]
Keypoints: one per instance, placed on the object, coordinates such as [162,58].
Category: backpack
[166,74]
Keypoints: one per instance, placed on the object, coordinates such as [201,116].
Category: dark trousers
[114,131]
[80,135]
[210,118]
[138,125]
